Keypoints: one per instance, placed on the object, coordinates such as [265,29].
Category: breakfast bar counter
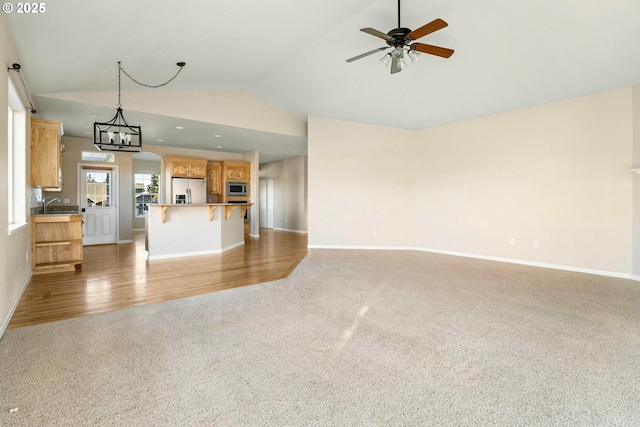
[173,231]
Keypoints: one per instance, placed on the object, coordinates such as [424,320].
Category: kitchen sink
[61,210]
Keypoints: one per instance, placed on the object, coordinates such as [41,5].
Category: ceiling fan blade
[394,65]
[355,58]
[377,33]
[435,25]
[433,50]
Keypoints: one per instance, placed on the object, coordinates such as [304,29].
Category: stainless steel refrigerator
[188,190]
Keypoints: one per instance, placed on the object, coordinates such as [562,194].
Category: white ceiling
[291,54]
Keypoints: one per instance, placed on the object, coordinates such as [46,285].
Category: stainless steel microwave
[237,189]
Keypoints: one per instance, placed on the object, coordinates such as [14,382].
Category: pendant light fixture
[117,134]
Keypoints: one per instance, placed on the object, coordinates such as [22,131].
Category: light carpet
[350,338]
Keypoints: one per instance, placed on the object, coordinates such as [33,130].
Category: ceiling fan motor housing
[400,36]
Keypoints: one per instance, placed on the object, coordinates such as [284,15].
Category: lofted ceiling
[291,55]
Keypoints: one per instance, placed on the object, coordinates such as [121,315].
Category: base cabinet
[56,243]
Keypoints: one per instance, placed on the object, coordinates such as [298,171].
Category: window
[98,188]
[16,160]
[146,191]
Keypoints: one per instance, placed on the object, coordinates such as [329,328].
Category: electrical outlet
[513,241]
[535,243]
[26,256]
[375,232]
[66,200]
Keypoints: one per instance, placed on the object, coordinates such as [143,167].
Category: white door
[263,203]
[270,201]
[97,198]
[266,203]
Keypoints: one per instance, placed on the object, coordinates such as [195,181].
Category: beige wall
[360,179]
[558,173]
[15,267]
[290,192]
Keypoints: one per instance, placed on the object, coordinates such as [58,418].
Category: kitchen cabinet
[46,154]
[237,171]
[214,178]
[186,168]
[56,242]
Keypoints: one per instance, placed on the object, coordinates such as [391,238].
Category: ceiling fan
[400,40]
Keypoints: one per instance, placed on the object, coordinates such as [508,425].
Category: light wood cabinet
[56,243]
[46,154]
[187,168]
[235,172]
[240,172]
[214,178]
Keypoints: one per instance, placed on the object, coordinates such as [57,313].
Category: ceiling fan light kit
[401,40]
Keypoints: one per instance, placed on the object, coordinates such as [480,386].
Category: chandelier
[117,134]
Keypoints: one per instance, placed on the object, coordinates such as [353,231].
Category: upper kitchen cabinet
[237,171]
[186,168]
[214,178]
[46,154]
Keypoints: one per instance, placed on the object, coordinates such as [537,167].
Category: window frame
[16,160]
[146,183]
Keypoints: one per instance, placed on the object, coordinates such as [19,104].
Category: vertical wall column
[635,267]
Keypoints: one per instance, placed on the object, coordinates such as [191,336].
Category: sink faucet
[46,203]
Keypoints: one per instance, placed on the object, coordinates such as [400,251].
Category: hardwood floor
[114,277]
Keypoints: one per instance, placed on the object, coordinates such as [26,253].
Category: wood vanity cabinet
[187,168]
[56,243]
[214,178]
[237,171]
[46,154]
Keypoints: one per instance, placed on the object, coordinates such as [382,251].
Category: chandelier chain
[181,65]
[119,80]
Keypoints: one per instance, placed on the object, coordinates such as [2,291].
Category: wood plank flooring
[114,277]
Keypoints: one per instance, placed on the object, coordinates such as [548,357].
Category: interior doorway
[266,203]
[98,201]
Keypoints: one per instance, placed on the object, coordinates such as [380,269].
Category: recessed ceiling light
[219,146]
[93,116]
[216,136]
[161,140]
[179,127]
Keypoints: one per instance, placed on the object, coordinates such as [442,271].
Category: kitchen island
[173,231]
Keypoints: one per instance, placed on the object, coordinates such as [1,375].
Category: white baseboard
[378,248]
[197,253]
[138,229]
[254,235]
[532,263]
[6,321]
[122,242]
[290,231]
[487,258]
